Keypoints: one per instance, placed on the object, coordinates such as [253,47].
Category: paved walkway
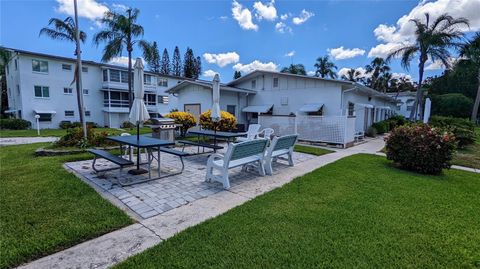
[8,141]
[116,246]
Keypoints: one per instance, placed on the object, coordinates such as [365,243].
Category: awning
[383,107]
[311,107]
[38,111]
[10,111]
[257,109]
[364,105]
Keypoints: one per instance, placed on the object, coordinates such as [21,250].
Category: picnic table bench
[108,156]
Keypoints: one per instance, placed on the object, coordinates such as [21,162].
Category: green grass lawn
[358,212]
[44,208]
[470,155]
[311,150]
[61,132]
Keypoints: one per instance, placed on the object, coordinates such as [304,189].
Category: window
[114,75]
[162,82]
[231,109]
[18,89]
[87,113]
[351,109]
[105,75]
[124,77]
[275,82]
[67,90]
[42,91]
[150,99]
[16,64]
[84,69]
[162,99]
[147,79]
[40,66]
[67,67]
[45,117]
[69,113]
[85,91]
[254,84]
[409,108]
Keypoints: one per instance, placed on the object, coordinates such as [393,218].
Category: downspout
[341,99]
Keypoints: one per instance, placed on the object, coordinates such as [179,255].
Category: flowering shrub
[420,148]
[227,123]
[74,138]
[463,129]
[186,119]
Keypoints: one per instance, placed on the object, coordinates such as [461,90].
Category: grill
[163,128]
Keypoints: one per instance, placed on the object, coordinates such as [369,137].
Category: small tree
[186,120]
[189,64]
[237,74]
[165,65]
[297,69]
[151,55]
[325,68]
[228,122]
[176,63]
[198,67]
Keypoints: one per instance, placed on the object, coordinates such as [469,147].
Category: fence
[334,129]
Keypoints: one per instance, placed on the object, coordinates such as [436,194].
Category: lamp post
[37,117]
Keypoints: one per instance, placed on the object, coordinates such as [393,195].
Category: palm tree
[297,69]
[471,51]
[151,55]
[352,75]
[431,43]
[121,33]
[325,68]
[65,30]
[378,70]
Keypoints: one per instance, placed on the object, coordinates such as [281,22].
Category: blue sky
[232,35]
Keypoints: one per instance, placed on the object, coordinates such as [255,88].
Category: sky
[245,35]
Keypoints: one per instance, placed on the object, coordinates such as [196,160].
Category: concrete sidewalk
[9,141]
[114,247]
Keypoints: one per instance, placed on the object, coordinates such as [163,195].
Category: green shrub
[452,105]
[421,148]
[228,122]
[371,132]
[463,129]
[74,138]
[65,124]
[127,125]
[15,124]
[396,120]
[92,124]
[381,127]
[68,124]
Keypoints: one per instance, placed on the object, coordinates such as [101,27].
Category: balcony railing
[115,103]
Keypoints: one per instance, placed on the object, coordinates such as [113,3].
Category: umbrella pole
[138,149]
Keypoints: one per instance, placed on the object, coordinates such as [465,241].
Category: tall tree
[176,63]
[237,74]
[352,75]
[198,67]
[325,68]
[65,30]
[121,33]
[378,70]
[151,55]
[432,41]
[189,64]
[297,69]
[5,58]
[471,50]
[165,65]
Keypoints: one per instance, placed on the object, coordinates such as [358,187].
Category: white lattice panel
[283,125]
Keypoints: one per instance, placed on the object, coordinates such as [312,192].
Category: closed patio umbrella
[215,113]
[138,112]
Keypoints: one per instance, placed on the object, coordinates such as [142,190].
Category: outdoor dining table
[229,136]
[145,142]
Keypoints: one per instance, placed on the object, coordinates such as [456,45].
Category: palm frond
[112,49]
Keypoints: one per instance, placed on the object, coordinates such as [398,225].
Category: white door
[194,109]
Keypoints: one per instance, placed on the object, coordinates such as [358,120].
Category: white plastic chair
[252,133]
[267,133]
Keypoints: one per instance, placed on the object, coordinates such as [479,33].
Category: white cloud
[438,65]
[123,61]
[282,28]
[284,16]
[222,59]
[255,65]
[311,73]
[243,16]
[267,11]
[401,75]
[403,32]
[209,73]
[341,53]
[361,70]
[303,17]
[290,54]
[383,50]
[223,18]
[89,9]
[119,7]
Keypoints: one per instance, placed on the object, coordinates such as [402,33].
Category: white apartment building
[41,84]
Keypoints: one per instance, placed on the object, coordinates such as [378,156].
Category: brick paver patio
[157,196]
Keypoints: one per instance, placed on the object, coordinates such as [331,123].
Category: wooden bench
[279,146]
[110,157]
[240,154]
[199,144]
